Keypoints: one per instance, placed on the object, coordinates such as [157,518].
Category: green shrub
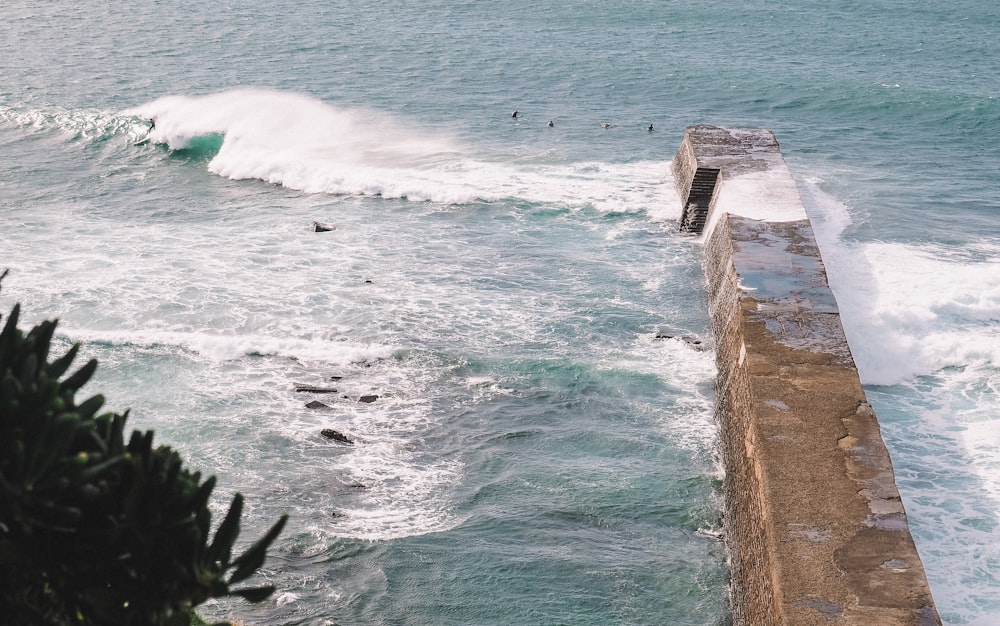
[94,529]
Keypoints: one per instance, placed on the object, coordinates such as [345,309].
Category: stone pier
[814,523]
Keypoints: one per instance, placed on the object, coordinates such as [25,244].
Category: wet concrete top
[780,267]
[734,150]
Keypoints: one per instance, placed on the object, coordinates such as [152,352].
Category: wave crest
[302,143]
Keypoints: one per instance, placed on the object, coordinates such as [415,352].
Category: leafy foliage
[94,529]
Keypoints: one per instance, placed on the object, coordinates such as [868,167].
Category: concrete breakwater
[814,523]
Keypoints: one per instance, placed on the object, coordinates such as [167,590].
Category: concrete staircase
[700,198]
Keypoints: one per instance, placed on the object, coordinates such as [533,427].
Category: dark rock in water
[336,435]
[322,228]
[342,487]
[517,435]
[692,341]
[336,377]
[369,399]
[316,404]
[312,389]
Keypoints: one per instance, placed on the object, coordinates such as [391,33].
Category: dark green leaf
[58,367]
[10,328]
[248,562]
[253,594]
[90,406]
[82,375]
[93,473]
[28,370]
[222,546]
[200,499]
[54,445]
[42,335]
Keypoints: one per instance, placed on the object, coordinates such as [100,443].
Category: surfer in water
[145,140]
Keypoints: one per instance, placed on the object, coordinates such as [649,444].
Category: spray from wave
[910,310]
[305,144]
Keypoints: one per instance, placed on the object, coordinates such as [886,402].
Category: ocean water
[538,452]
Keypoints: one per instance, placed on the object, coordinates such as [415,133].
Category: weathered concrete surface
[814,523]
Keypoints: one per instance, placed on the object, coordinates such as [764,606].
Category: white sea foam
[766,195]
[909,310]
[945,441]
[982,440]
[286,597]
[229,347]
[245,420]
[682,365]
[303,143]
[403,486]
[403,497]
[74,123]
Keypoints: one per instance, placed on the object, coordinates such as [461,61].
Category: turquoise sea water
[535,455]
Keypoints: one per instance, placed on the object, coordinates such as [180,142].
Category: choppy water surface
[535,454]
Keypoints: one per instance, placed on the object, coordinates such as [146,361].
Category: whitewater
[515,296]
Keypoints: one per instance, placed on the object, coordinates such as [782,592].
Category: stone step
[699,200]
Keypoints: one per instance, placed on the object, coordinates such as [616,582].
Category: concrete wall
[814,523]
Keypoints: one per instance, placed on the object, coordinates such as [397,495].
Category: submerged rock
[312,389]
[369,398]
[336,435]
[322,228]
[692,341]
[316,404]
